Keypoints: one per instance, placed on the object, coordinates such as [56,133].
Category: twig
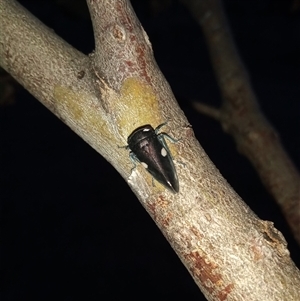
[241,116]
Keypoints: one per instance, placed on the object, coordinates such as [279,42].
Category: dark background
[71,228]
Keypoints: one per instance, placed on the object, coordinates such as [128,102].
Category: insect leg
[159,127]
[133,159]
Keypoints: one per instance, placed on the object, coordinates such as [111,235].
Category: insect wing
[163,169]
[158,162]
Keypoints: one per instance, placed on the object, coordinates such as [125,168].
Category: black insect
[149,148]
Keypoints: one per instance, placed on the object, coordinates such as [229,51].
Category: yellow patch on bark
[138,106]
[86,116]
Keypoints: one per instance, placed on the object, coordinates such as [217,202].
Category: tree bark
[230,253]
[241,117]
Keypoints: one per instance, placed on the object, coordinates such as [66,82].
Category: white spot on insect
[163,152]
[144,164]
[146,130]
[169,183]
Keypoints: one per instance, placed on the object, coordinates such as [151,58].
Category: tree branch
[229,252]
[241,117]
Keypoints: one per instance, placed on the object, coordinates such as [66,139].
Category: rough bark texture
[241,117]
[230,253]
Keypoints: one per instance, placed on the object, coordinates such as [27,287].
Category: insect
[149,148]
